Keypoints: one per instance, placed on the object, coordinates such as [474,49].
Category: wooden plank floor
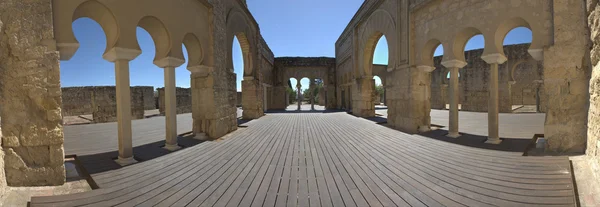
[330,159]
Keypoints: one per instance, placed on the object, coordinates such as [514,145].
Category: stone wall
[32,132]
[593,132]
[567,72]
[100,101]
[2,176]
[183,97]
[82,100]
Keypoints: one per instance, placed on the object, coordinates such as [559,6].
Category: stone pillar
[362,97]
[567,79]
[169,64]
[425,71]
[493,101]
[298,99]
[311,88]
[252,98]
[121,58]
[453,66]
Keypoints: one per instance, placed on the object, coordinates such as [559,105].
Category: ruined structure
[101,103]
[593,141]
[36,34]
[183,100]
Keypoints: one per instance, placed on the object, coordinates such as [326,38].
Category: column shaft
[170,109]
[312,94]
[298,99]
[453,118]
[493,136]
[124,112]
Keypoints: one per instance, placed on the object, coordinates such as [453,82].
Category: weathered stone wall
[101,101]
[183,99]
[567,73]
[104,103]
[80,100]
[2,175]
[32,132]
[593,132]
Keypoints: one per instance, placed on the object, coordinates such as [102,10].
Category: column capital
[454,63]
[200,69]
[120,53]
[426,68]
[495,58]
[169,62]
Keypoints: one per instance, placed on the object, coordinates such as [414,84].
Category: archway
[304,96]
[379,92]
[292,94]
[237,58]
[524,74]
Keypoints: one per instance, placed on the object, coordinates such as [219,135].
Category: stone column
[494,60]
[121,58]
[425,71]
[311,89]
[169,64]
[298,87]
[453,66]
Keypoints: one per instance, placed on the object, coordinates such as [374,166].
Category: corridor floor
[330,159]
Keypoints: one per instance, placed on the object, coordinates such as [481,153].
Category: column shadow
[103,162]
[521,145]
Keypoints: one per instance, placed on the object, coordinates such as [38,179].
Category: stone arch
[379,24]
[428,51]
[536,47]
[460,42]
[160,35]
[238,26]
[514,67]
[194,49]
[67,44]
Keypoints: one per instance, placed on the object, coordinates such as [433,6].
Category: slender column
[124,112]
[298,87]
[493,133]
[312,94]
[121,58]
[169,64]
[453,66]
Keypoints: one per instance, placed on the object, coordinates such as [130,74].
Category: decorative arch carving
[238,26]
[160,35]
[66,42]
[379,24]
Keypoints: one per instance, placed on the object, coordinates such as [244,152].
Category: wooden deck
[330,159]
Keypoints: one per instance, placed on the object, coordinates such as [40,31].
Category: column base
[201,136]
[493,141]
[125,161]
[453,135]
[172,147]
[424,129]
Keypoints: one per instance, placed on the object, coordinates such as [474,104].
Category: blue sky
[291,28]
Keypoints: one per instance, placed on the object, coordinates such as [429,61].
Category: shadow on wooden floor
[103,162]
[478,141]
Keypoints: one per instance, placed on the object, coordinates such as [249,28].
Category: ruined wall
[32,132]
[593,132]
[104,103]
[100,101]
[183,99]
[2,176]
[80,100]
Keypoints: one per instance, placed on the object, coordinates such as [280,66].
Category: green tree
[291,94]
[379,90]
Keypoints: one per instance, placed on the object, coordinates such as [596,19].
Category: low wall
[183,97]
[100,101]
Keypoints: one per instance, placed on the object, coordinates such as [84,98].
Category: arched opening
[292,94]
[237,57]
[379,92]
[523,72]
[304,97]
[471,78]
[380,60]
